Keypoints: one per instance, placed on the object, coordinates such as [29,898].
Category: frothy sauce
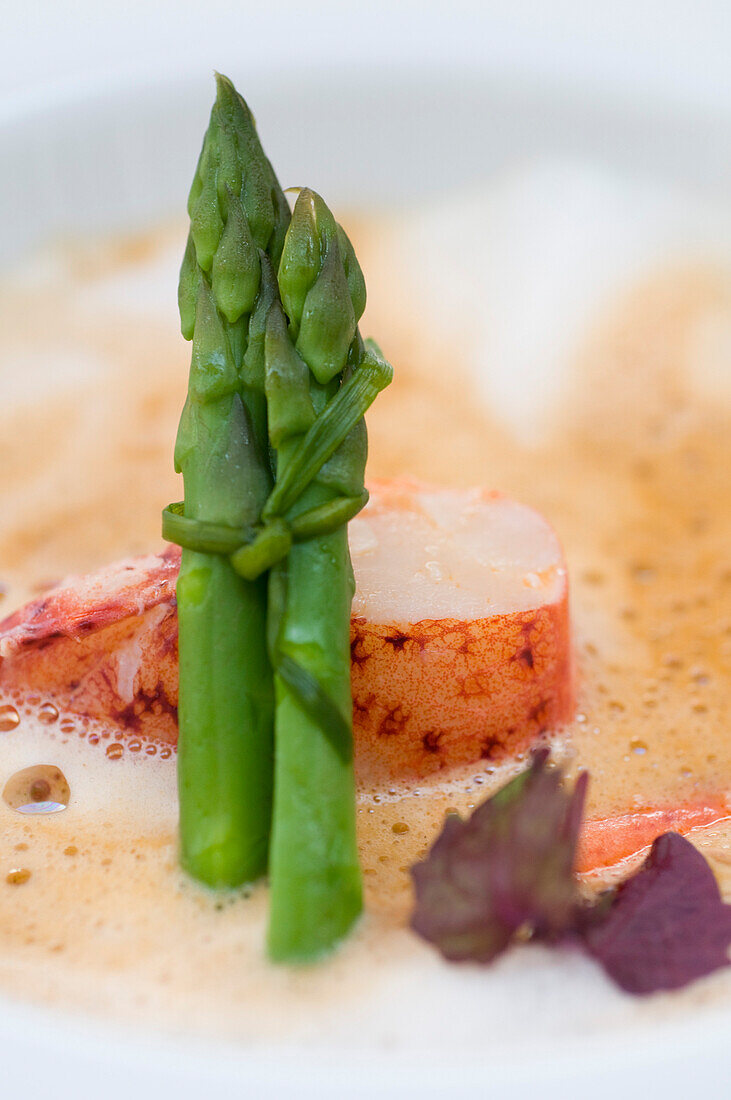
[631,469]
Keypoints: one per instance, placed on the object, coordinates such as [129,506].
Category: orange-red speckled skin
[485,688]
[67,645]
[426,695]
[441,692]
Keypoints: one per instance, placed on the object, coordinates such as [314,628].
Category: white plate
[123,158]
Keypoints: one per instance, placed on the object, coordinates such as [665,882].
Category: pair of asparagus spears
[272,447]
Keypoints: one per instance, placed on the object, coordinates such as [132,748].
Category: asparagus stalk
[238,218]
[316,891]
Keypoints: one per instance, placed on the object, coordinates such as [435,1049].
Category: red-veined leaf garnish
[667,925]
[509,868]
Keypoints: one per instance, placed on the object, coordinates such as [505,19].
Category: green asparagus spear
[293,383]
[238,218]
[316,891]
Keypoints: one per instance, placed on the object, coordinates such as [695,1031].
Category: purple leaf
[667,925]
[507,867]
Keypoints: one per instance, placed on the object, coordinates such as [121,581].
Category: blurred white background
[666,49]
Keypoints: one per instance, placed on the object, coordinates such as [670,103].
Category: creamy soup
[604,402]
